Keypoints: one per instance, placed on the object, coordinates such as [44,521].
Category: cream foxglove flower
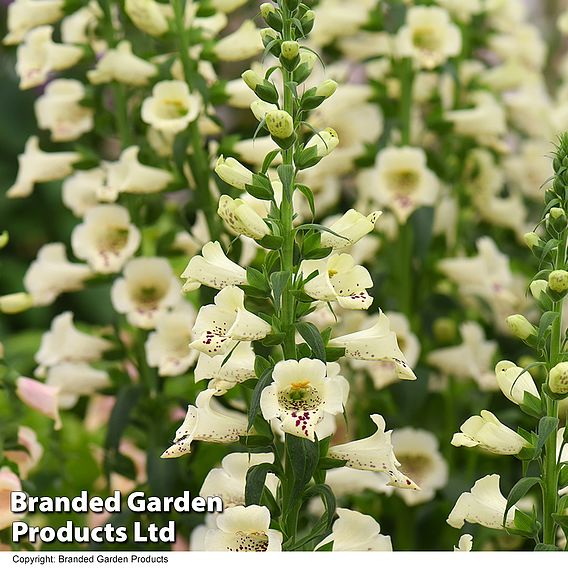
[40,397]
[484,505]
[243,529]
[486,432]
[28,458]
[465,543]
[149,16]
[231,171]
[229,480]
[513,382]
[64,343]
[353,226]
[338,279]
[405,180]
[129,175]
[39,55]
[378,343]
[227,6]
[463,10]
[25,15]
[167,348]
[59,110]
[79,191]
[471,360]
[219,325]
[243,43]
[80,26]
[420,458]
[374,453]
[37,166]
[106,239]
[73,380]
[335,19]
[121,65]
[354,531]
[148,289]
[208,421]
[9,482]
[171,107]
[212,268]
[51,274]
[429,37]
[222,377]
[302,393]
[241,218]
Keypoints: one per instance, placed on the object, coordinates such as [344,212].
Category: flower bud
[532,240]
[304,68]
[291,4]
[15,303]
[231,171]
[557,212]
[4,238]
[266,8]
[558,281]
[267,35]
[537,288]
[558,378]
[280,124]
[307,21]
[445,330]
[557,218]
[520,327]
[251,78]
[261,108]
[326,89]
[290,49]
[325,141]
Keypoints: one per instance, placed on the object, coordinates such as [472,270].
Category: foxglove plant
[297,391]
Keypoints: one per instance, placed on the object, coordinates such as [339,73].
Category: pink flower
[9,482]
[40,397]
[26,459]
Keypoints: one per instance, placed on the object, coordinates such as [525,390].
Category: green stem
[199,161]
[406,86]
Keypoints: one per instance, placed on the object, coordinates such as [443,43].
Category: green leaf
[257,279]
[330,463]
[518,491]
[334,353]
[256,482]
[561,520]
[310,103]
[273,339]
[264,380]
[541,547]
[302,455]
[279,281]
[286,174]
[531,405]
[126,401]
[311,335]
[546,427]
[272,242]
[268,160]
[261,365]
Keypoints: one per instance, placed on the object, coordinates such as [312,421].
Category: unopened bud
[290,49]
[558,281]
[558,378]
[557,213]
[261,108]
[4,238]
[537,288]
[266,8]
[280,124]
[325,141]
[307,21]
[520,327]
[326,89]
[15,303]
[251,78]
[532,240]
[267,35]
[445,330]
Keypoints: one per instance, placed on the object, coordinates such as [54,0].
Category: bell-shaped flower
[243,43]
[37,166]
[378,343]
[207,421]
[302,394]
[64,343]
[420,458]
[40,397]
[488,433]
[484,505]
[218,326]
[472,359]
[121,65]
[222,377]
[171,107]
[149,16]
[29,456]
[73,380]
[229,480]
[429,37]
[167,348]
[325,141]
[148,289]
[465,543]
[51,274]
[129,175]
[25,15]
[374,453]
[231,171]
[404,180]
[514,382]
[79,191]
[106,238]
[212,268]
[39,55]
[59,110]
[354,531]
[352,226]
[339,280]
[9,482]
[241,218]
